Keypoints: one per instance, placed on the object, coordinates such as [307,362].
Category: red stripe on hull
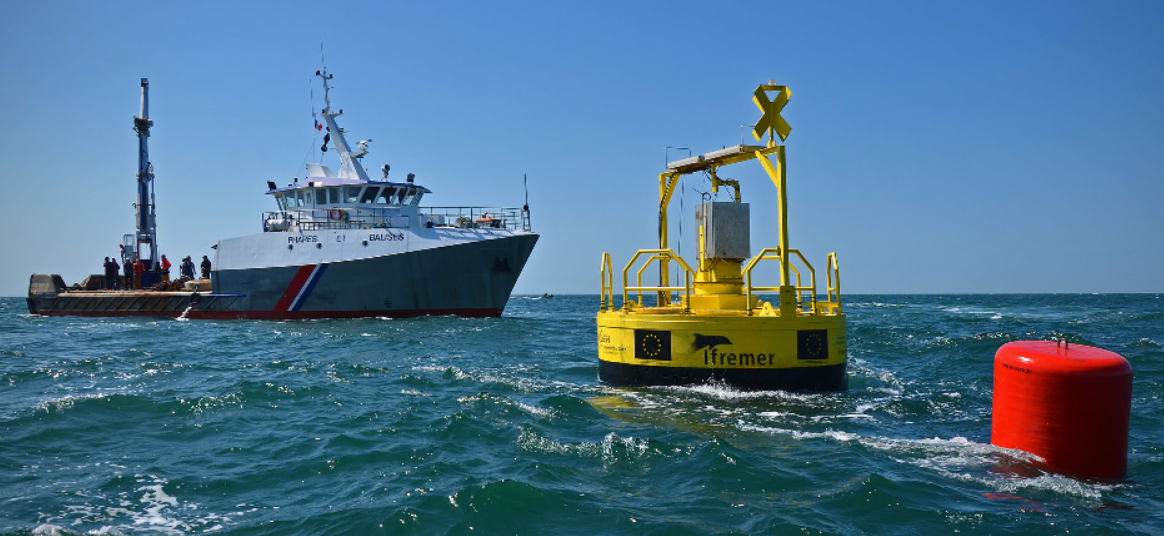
[293,289]
[289,315]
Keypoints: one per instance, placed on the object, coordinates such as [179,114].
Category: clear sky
[937,147]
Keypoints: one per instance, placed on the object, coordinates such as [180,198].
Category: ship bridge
[330,202]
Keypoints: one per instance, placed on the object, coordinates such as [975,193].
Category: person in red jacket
[138,269]
[166,269]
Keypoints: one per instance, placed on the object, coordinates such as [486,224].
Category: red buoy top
[1061,358]
[1067,403]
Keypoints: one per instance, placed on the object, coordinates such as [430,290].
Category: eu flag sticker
[651,344]
[812,344]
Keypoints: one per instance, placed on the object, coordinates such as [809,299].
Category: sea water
[446,425]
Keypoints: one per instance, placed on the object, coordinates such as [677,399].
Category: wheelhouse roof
[324,182]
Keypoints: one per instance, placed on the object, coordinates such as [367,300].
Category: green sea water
[446,425]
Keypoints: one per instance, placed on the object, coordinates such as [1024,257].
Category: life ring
[335,214]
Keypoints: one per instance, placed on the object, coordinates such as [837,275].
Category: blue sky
[937,147]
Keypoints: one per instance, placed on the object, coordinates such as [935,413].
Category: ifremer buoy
[1067,403]
[712,326]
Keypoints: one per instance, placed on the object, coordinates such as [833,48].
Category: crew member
[166,269]
[187,268]
[128,268]
[114,269]
[110,274]
[205,267]
[138,270]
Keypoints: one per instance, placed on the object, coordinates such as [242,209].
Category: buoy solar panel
[1067,403]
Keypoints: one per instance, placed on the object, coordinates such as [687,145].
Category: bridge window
[386,195]
[320,196]
[412,197]
[334,195]
[369,194]
[353,195]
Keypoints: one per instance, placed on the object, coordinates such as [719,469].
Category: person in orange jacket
[166,269]
[138,269]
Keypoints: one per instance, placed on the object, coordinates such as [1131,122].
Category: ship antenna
[525,185]
[323,74]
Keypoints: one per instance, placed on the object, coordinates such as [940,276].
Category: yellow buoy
[713,327]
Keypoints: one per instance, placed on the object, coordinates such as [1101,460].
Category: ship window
[334,194]
[411,197]
[300,199]
[400,195]
[279,201]
[320,196]
[369,194]
[386,195]
[353,195]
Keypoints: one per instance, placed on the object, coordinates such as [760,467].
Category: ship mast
[349,167]
[147,232]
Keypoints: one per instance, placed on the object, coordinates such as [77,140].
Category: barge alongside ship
[340,245]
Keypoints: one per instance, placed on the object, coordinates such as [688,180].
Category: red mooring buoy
[1067,403]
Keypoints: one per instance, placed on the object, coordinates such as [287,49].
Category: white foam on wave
[875,304]
[959,310]
[518,383]
[66,402]
[157,501]
[148,508]
[534,410]
[724,392]
[433,368]
[959,459]
[612,448]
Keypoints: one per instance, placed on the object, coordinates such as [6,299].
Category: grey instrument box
[726,229]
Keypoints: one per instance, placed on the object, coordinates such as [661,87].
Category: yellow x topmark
[771,119]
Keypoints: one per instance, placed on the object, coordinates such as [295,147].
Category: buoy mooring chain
[713,326]
[1069,405]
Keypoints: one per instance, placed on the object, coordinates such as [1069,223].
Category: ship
[338,245]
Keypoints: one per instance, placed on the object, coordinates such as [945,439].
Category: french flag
[317,125]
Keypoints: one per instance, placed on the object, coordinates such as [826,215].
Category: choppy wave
[451,425]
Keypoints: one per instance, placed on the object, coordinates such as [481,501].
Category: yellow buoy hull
[804,353]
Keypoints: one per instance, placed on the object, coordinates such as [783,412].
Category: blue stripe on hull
[311,281]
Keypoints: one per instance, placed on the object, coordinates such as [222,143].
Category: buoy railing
[832,304]
[607,284]
[656,255]
[807,305]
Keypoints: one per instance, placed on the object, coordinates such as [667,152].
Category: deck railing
[378,218]
[512,218]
